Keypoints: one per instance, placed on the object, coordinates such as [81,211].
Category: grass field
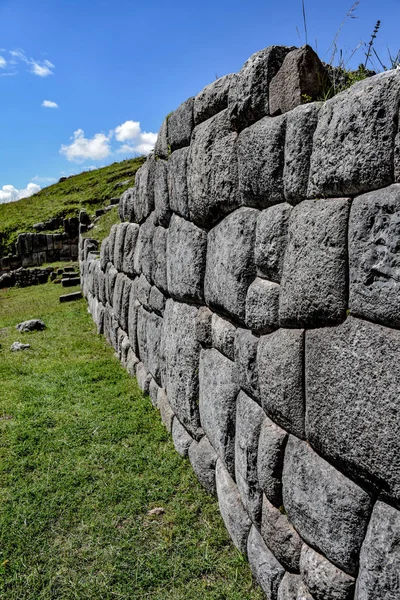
[83,458]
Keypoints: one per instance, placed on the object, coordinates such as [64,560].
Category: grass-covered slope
[89,190]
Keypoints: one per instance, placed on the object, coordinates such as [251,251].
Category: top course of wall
[253,289]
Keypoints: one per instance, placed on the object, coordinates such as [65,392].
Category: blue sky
[115,69]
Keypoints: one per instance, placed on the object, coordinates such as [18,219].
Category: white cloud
[3,62]
[49,104]
[41,68]
[129,130]
[9,193]
[82,148]
[141,142]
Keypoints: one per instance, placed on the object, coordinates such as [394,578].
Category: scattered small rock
[31,325]
[17,346]
[156,511]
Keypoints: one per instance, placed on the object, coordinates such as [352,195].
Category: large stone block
[280,366]
[212,171]
[162,208]
[111,240]
[267,571]
[181,352]
[204,326]
[223,336]
[218,393]
[271,452]
[260,151]
[249,417]
[352,384]
[159,269]
[248,99]
[117,297]
[203,459]
[157,300]
[301,74]
[314,279]
[143,198]
[124,306]
[166,412]
[161,149]
[144,257]
[230,264]
[323,579]
[271,240]
[300,127]
[354,141]
[262,306]
[379,575]
[329,511]
[177,182]
[132,319]
[293,588]
[246,345]
[131,236]
[281,537]
[149,327]
[212,99]
[180,125]
[374,256]
[231,508]
[186,260]
[182,440]
[126,206]
[104,254]
[143,290]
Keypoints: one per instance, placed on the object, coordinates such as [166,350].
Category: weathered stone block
[131,236]
[186,260]
[280,366]
[132,319]
[203,459]
[281,537]
[246,361]
[379,575]
[323,579]
[111,240]
[352,383]
[300,127]
[231,508]
[180,125]
[177,182]
[143,378]
[166,412]
[218,392]
[260,151]
[153,392]
[126,206]
[159,269]
[363,119]
[157,300]
[248,99]
[124,306]
[329,511]
[162,209]
[265,568]
[292,588]
[143,198]
[230,264]
[374,256]
[271,240]
[131,362]
[262,306]
[204,326]
[212,99]
[212,171]
[182,440]
[149,326]
[117,298]
[181,352]
[161,149]
[223,336]
[271,452]
[314,279]
[104,254]
[144,256]
[143,289]
[249,417]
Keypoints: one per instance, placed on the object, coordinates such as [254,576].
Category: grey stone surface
[314,280]
[162,209]
[301,74]
[290,587]
[111,240]
[265,568]
[186,260]
[159,268]
[231,508]
[181,352]
[363,119]
[374,256]
[300,127]
[248,95]
[126,205]
[249,417]
[18,346]
[280,366]
[31,325]
[281,537]
[124,306]
[212,171]
[217,403]
[144,256]
[180,125]
[203,459]
[262,306]
[131,362]
[143,199]
[166,412]
[143,289]
[149,326]
[271,452]
[260,151]
[161,147]
[204,326]
[104,254]
[153,392]
[230,264]
[157,300]
[131,236]
[246,345]
[379,575]
[223,336]
[329,511]
[352,383]
[118,293]
[212,99]
[119,246]
[180,437]
[271,240]
[143,377]
[177,182]
[323,579]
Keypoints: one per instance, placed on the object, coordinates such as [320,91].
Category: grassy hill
[89,190]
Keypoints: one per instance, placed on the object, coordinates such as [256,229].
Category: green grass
[102,227]
[89,190]
[83,458]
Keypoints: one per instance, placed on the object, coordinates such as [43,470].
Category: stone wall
[253,290]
